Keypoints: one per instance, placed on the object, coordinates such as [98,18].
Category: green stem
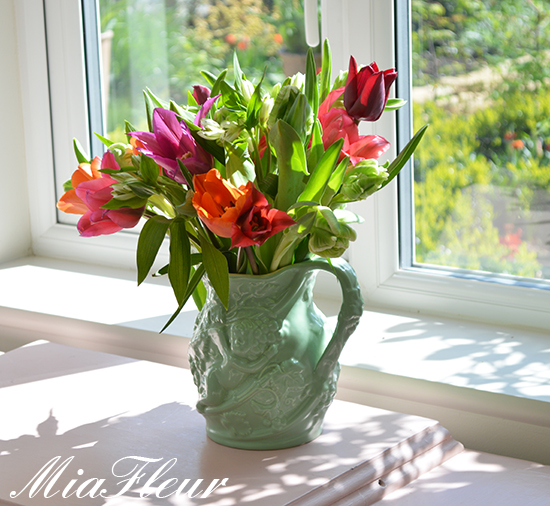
[251,259]
[257,158]
[283,253]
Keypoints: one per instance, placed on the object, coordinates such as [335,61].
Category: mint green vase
[266,368]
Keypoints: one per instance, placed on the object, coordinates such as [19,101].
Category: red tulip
[257,221]
[367,91]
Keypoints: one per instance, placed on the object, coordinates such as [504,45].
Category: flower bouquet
[250,185]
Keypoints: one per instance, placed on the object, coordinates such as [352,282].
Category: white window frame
[362,27]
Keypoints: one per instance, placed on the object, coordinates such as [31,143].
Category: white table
[92,415]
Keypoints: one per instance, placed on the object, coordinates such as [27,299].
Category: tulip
[257,221]
[338,124]
[171,141]
[363,180]
[90,193]
[242,214]
[330,237]
[215,200]
[201,93]
[367,91]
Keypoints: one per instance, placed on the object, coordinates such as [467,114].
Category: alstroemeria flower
[90,193]
[337,124]
[367,91]
[69,201]
[242,214]
[171,141]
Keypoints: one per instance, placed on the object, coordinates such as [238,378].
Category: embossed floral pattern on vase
[266,368]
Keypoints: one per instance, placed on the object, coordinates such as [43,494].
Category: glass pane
[164,44]
[482,172]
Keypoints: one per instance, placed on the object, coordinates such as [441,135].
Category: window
[362,27]
[482,172]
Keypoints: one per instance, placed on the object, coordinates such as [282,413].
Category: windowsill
[499,372]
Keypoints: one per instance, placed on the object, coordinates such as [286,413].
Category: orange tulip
[69,201]
[215,200]
[243,214]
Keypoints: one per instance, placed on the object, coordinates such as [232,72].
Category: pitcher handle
[350,310]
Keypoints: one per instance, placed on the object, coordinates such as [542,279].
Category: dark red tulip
[367,91]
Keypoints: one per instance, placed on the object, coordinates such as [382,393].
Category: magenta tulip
[201,93]
[171,141]
[367,91]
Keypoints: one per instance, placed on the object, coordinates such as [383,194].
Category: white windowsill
[398,361]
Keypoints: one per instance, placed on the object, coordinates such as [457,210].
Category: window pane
[164,44]
[482,172]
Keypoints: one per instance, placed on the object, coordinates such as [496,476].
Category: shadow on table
[86,459]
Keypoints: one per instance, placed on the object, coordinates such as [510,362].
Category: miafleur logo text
[151,479]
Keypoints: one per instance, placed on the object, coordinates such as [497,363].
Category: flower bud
[247,89]
[329,237]
[362,180]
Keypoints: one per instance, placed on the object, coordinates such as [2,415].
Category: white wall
[15,235]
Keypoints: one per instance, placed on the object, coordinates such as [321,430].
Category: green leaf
[149,169]
[311,89]
[81,156]
[255,105]
[216,85]
[184,114]
[186,174]
[190,99]
[217,270]
[156,101]
[209,77]
[320,178]
[335,181]
[128,127]
[199,295]
[209,146]
[141,190]
[239,168]
[133,203]
[394,103]
[291,159]
[237,72]
[231,98]
[67,185]
[297,116]
[149,108]
[316,149]
[326,69]
[149,242]
[105,141]
[195,280]
[161,272]
[180,259]
[404,156]
[283,102]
